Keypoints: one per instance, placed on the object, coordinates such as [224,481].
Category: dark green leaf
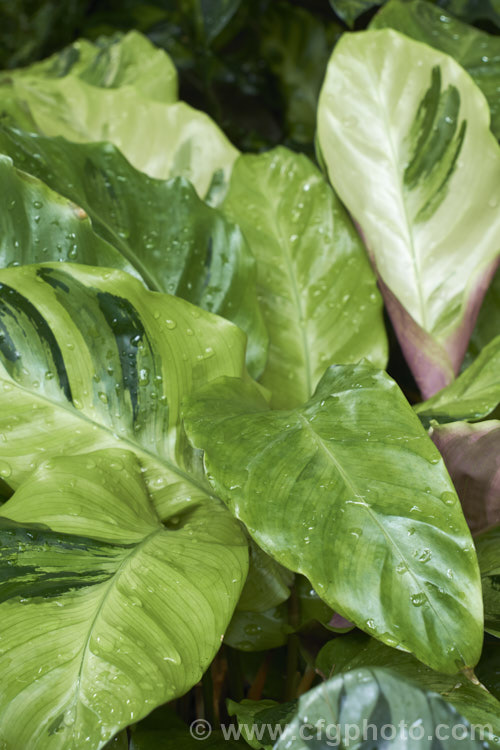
[488,553]
[297,46]
[377,709]
[164,233]
[350,10]
[358,651]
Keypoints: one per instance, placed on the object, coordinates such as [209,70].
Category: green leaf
[488,668]
[474,10]
[90,359]
[173,240]
[361,504]
[405,134]
[488,321]
[261,722]
[370,705]
[488,553]
[470,452]
[477,51]
[268,584]
[108,608]
[473,395]
[357,651]
[260,621]
[350,10]
[37,225]
[259,631]
[181,739]
[309,605]
[116,62]
[213,15]
[297,46]
[31,30]
[316,288]
[161,138]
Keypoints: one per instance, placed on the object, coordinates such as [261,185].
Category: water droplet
[144,376]
[418,599]
[401,568]
[424,556]
[5,469]
[449,498]
[171,324]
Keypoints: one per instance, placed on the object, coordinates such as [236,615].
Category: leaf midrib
[134,447]
[282,244]
[109,587]
[391,543]
[398,180]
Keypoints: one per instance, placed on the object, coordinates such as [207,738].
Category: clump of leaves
[199,443]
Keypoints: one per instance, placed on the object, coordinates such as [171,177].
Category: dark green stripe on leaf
[436,140]
[129,332]
[48,275]
[7,347]
[38,562]
[14,305]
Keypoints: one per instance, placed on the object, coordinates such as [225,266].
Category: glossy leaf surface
[38,225]
[358,651]
[405,135]
[349,490]
[165,234]
[473,395]
[157,134]
[316,288]
[113,608]
[376,697]
[90,359]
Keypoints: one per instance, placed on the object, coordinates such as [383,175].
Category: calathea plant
[199,441]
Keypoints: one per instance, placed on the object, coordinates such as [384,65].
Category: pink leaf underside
[434,363]
[471,453]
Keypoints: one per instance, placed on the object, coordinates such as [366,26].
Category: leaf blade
[343,482]
[424,149]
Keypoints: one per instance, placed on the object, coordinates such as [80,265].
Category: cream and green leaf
[111,601]
[477,51]
[375,703]
[76,95]
[404,132]
[315,286]
[468,697]
[349,490]
[90,359]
